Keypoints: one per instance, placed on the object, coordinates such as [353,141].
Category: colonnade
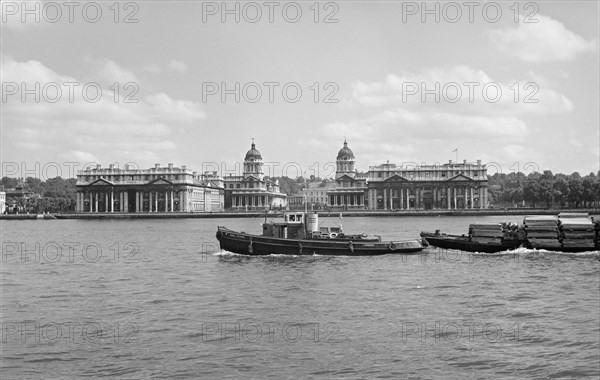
[438,197]
[251,200]
[118,201]
[357,200]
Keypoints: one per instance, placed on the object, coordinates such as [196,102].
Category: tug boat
[300,234]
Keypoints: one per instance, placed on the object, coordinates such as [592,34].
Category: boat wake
[521,251]
[227,255]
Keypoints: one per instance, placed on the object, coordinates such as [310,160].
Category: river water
[156,299]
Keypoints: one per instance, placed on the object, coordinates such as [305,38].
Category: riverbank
[258,214]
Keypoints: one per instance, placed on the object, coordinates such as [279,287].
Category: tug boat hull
[249,244]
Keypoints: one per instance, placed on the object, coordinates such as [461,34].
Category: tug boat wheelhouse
[300,234]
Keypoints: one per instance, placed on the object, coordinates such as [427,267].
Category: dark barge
[464,243]
[567,232]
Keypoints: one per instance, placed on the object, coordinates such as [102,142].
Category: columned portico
[449,186]
[154,190]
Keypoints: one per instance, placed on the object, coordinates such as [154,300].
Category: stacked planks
[489,233]
[542,231]
[577,230]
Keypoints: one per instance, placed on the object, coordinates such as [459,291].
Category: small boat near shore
[567,232]
[300,234]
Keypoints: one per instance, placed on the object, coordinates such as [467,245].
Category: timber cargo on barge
[567,232]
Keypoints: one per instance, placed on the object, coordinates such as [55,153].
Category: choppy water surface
[149,298]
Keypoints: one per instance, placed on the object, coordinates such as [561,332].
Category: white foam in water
[545,251]
[525,251]
[223,252]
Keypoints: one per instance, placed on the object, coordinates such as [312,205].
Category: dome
[253,154]
[345,153]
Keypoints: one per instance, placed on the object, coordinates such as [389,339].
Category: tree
[588,195]
[532,191]
[575,190]
[9,183]
[34,184]
[560,190]
[515,195]
[546,182]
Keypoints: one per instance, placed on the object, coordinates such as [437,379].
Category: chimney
[450,162]
[156,166]
[183,167]
[126,167]
[170,166]
[464,162]
[98,166]
[111,166]
[478,162]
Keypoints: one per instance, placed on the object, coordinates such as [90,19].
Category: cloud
[111,72]
[460,89]
[152,68]
[172,65]
[396,136]
[79,156]
[514,152]
[179,66]
[89,130]
[405,126]
[182,110]
[544,41]
[29,71]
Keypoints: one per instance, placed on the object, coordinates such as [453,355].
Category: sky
[513,84]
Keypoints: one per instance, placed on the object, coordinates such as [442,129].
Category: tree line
[53,195]
[545,190]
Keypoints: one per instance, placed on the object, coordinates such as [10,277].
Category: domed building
[408,186]
[351,187]
[345,162]
[251,191]
[347,191]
